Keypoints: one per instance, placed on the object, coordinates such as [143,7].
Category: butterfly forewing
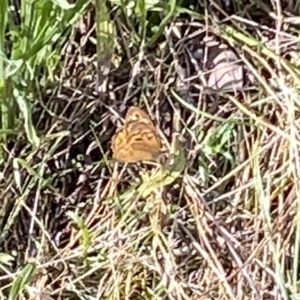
[136,115]
[137,140]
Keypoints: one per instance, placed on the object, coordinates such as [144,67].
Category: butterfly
[137,140]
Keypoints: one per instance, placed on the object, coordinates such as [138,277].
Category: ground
[216,216]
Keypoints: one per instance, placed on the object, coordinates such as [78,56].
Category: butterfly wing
[137,140]
[135,115]
[130,151]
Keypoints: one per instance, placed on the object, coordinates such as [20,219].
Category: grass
[220,220]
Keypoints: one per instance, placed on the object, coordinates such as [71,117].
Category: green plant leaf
[28,125]
[20,282]
[63,4]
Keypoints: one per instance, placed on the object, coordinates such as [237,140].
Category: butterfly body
[137,140]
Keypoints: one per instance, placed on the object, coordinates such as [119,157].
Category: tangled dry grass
[225,224]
